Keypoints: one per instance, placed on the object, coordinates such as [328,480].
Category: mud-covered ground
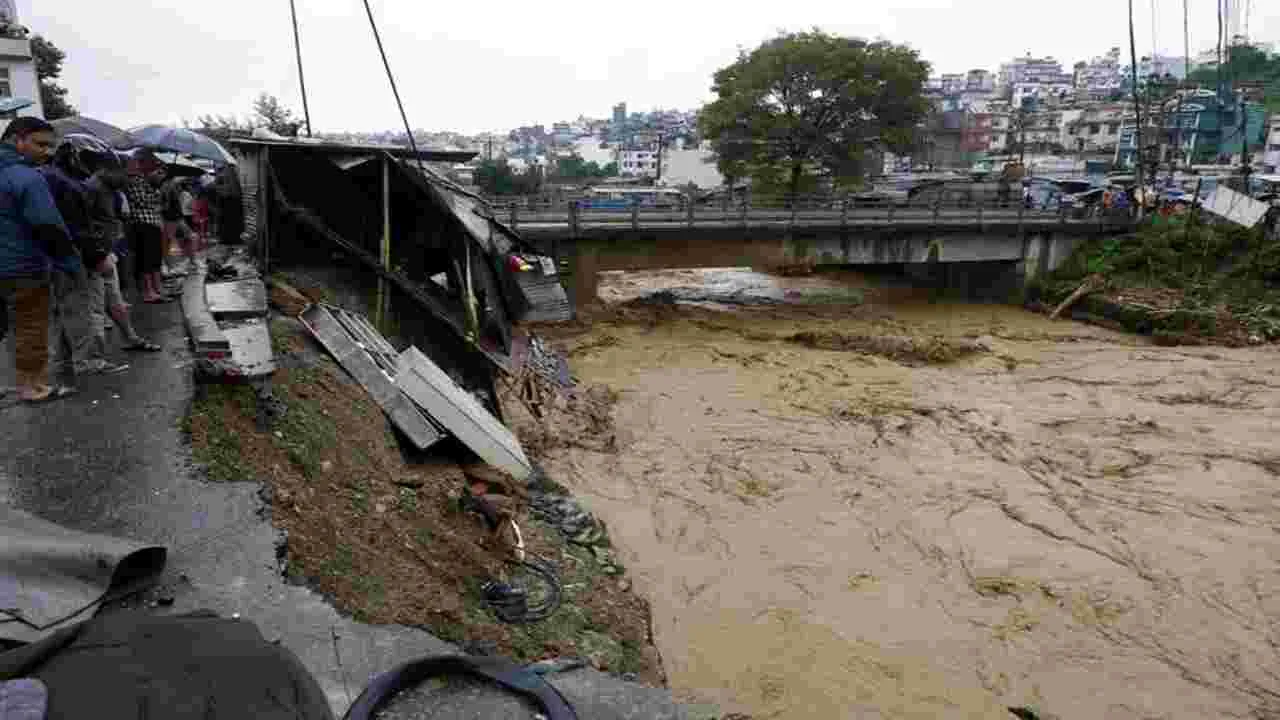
[1057,516]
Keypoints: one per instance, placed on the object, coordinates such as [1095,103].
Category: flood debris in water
[933,350]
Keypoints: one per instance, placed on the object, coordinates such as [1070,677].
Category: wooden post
[515,215]
[265,199]
[689,211]
[635,215]
[893,210]
[573,218]
[724,206]
[844,213]
[385,255]
[937,209]
[742,210]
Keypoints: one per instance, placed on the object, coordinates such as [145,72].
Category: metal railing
[974,210]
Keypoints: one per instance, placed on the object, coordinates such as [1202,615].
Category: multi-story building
[1041,93]
[1032,70]
[1094,129]
[638,161]
[1102,77]
[975,133]
[18,79]
[1001,125]
[1202,129]
[620,113]
[1271,151]
[980,81]
[1161,66]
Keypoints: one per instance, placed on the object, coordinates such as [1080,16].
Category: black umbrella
[106,132]
[183,168]
[183,141]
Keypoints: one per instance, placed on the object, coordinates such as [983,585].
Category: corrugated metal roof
[325,146]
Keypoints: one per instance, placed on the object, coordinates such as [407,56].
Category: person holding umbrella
[79,292]
[146,224]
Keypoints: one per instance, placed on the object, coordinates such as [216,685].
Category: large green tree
[497,177]
[1246,65]
[274,116]
[574,167]
[808,104]
[49,59]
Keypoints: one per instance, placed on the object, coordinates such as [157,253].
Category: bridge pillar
[1035,257]
[1045,252]
[585,267]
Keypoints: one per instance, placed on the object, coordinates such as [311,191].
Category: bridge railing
[977,207]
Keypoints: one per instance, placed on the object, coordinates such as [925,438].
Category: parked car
[882,196]
[1084,204]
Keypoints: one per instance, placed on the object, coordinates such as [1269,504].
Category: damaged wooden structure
[445,264]
[455,278]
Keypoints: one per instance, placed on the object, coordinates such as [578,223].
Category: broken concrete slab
[404,414]
[236,299]
[205,334]
[460,413]
[251,352]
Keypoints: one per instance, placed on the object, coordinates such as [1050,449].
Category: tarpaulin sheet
[51,575]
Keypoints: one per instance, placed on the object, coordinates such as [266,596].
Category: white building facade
[18,78]
[1029,69]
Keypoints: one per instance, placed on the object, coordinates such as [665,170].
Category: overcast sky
[491,66]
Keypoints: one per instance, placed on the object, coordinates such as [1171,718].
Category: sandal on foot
[58,393]
[143,346]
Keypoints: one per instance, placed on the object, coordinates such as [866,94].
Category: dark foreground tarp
[51,575]
[127,665]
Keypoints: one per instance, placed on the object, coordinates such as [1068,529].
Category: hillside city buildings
[1081,113]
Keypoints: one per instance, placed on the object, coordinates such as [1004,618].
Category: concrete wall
[1026,257]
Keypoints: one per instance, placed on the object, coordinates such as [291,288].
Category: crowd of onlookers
[82,228]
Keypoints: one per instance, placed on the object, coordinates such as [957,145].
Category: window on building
[1273,147]
[1113,128]
[6,86]
[1094,128]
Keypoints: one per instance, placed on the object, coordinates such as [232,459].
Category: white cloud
[491,66]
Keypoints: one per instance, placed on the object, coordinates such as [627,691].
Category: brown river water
[1075,521]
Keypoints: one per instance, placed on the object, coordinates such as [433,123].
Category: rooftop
[328,146]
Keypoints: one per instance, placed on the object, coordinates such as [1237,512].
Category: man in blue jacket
[32,238]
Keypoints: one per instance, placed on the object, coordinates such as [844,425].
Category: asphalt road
[112,460]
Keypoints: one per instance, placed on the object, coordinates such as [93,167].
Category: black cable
[511,603]
[392,79]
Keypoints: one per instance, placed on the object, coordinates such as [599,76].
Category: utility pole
[1137,108]
[1175,158]
[660,139]
[1245,166]
[297,49]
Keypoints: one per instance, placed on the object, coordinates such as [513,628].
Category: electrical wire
[392,79]
[511,603]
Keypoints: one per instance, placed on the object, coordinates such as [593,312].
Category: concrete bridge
[945,245]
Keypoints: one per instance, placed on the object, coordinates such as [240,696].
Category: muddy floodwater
[1070,519]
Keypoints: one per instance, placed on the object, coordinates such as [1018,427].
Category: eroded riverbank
[1069,519]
